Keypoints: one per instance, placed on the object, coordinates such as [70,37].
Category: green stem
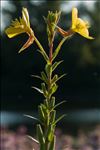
[49,86]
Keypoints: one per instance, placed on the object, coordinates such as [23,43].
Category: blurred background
[80,88]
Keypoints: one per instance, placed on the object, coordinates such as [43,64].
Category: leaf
[44,77]
[54,79]
[55,65]
[30,137]
[50,132]
[36,76]
[52,102]
[61,76]
[57,79]
[39,90]
[59,104]
[58,48]
[53,115]
[44,89]
[40,135]
[46,103]
[31,117]
[48,69]
[52,143]
[53,89]
[44,55]
[61,117]
[41,113]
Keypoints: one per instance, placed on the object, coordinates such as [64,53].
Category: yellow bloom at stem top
[21,26]
[79,26]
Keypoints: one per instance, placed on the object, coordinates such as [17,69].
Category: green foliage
[40,137]
[31,117]
[55,65]
[52,144]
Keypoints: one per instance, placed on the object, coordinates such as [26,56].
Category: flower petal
[74,17]
[80,23]
[12,31]
[25,16]
[84,32]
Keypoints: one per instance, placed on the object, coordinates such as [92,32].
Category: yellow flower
[79,26]
[21,26]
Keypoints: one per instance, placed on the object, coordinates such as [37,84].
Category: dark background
[80,88]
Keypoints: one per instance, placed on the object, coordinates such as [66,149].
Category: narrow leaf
[44,77]
[52,102]
[53,115]
[40,137]
[48,69]
[55,78]
[34,140]
[39,90]
[59,104]
[41,113]
[52,144]
[44,89]
[61,76]
[31,117]
[61,117]
[40,134]
[36,76]
[50,132]
[56,64]
[53,89]
[44,55]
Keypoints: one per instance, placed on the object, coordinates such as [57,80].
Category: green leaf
[44,108]
[41,113]
[30,137]
[52,143]
[40,134]
[61,76]
[55,78]
[53,115]
[44,89]
[48,69]
[36,76]
[50,136]
[58,48]
[44,77]
[58,78]
[52,102]
[54,88]
[44,55]
[39,90]
[56,64]
[40,137]
[31,117]
[61,117]
[59,104]
[46,103]
[50,132]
